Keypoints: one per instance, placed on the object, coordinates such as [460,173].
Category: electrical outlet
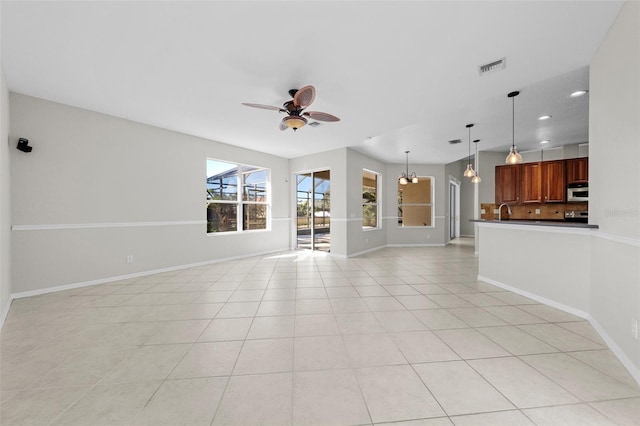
[428,236]
[130,258]
[634,328]
[496,211]
[482,211]
[366,241]
[537,211]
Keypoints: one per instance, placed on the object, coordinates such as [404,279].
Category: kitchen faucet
[500,211]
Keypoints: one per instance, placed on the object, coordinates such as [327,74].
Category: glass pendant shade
[514,156]
[476,175]
[403,180]
[469,172]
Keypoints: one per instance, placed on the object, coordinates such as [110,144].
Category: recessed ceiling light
[545,141]
[544,117]
[578,93]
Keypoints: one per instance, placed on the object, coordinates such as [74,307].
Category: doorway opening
[313,210]
[454,210]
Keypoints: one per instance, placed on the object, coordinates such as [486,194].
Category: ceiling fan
[294,109]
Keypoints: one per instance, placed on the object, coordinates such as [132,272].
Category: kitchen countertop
[537,223]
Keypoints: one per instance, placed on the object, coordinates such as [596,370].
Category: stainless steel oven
[577,192]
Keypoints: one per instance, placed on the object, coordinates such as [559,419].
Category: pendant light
[406,178]
[469,172]
[514,156]
[476,177]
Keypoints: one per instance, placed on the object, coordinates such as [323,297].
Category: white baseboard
[416,245]
[129,276]
[385,246]
[5,311]
[552,303]
[617,351]
[633,370]
[365,251]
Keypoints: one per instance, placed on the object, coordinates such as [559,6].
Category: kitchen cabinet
[539,182]
[507,184]
[578,170]
[531,182]
[554,184]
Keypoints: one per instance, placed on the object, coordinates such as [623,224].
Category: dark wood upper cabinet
[578,170]
[532,183]
[539,182]
[508,184]
[554,185]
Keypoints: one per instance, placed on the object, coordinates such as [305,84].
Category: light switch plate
[537,211]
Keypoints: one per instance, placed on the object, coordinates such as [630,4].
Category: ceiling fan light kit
[295,109]
[293,122]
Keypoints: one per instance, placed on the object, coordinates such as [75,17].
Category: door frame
[294,204]
[454,208]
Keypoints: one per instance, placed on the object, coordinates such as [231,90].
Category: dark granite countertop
[538,223]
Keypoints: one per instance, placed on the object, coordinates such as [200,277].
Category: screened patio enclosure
[313,210]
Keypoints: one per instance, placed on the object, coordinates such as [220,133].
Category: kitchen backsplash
[533,211]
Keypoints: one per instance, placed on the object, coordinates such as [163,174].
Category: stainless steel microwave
[577,192]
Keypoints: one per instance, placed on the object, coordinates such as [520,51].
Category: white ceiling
[400,75]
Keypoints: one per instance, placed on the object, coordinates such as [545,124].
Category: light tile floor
[404,336]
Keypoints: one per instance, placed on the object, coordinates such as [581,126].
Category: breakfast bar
[547,261]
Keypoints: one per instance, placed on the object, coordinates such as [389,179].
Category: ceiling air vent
[492,66]
[455,141]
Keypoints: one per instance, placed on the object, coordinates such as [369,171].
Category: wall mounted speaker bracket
[23,145]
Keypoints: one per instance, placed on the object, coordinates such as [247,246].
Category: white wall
[488,162]
[397,235]
[347,236]
[336,162]
[5,201]
[596,275]
[466,204]
[614,199]
[359,240]
[455,170]
[96,189]
[548,262]
[574,150]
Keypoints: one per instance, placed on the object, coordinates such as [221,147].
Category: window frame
[430,204]
[242,170]
[378,203]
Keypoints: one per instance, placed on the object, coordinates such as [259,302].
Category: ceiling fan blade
[275,108]
[283,126]
[304,96]
[320,116]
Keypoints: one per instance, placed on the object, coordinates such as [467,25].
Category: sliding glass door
[313,206]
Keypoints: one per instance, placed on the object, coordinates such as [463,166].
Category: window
[237,197]
[370,206]
[415,203]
